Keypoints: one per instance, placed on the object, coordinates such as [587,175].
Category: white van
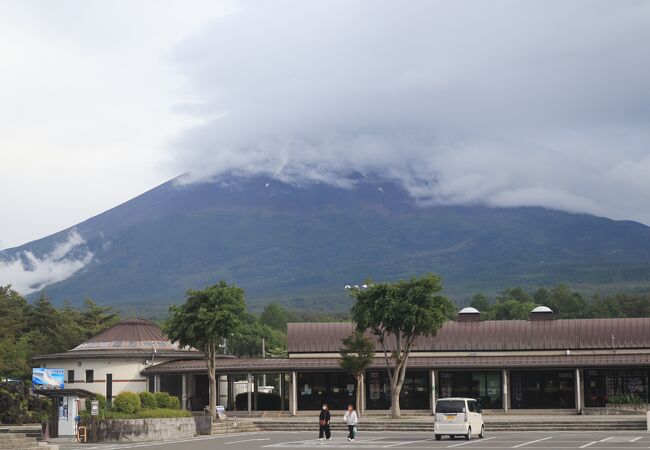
[458,416]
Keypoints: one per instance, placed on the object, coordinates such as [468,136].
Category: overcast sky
[501,103]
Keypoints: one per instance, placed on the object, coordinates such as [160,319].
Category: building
[538,364]
[113,361]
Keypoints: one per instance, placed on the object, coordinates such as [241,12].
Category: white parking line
[532,442]
[606,439]
[409,442]
[471,442]
[636,439]
[246,440]
[587,445]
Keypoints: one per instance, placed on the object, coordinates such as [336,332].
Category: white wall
[125,371]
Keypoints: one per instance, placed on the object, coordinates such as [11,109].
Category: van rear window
[450,407]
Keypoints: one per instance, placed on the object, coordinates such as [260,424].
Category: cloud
[28,273]
[506,103]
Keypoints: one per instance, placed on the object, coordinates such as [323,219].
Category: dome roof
[469,310]
[136,334]
[542,309]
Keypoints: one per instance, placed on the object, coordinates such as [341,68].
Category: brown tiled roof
[243,365]
[492,335]
[128,338]
[131,330]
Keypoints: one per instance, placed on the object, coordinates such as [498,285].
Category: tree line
[516,304]
[39,327]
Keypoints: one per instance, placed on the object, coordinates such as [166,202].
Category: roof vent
[541,313]
[469,314]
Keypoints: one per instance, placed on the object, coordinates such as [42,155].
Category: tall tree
[275,316]
[206,318]
[397,313]
[357,353]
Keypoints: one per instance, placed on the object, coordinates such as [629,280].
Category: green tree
[397,313]
[95,318]
[357,353]
[206,318]
[248,341]
[480,302]
[275,316]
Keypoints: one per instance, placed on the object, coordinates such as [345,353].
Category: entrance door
[546,389]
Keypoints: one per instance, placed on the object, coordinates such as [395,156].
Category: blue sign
[47,378]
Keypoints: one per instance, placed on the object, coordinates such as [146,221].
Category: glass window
[70,376]
[471,406]
[450,407]
[90,376]
[485,387]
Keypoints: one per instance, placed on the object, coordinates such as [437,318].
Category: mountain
[302,244]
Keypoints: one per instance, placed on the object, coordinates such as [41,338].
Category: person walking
[351,418]
[324,422]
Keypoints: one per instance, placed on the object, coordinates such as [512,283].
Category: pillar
[433,392]
[248,392]
[156,383]
[505,395]
[184,391]
[578,392]
[294,393]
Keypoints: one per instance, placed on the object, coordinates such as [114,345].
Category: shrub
[164,400]
[158,413]
[174,403]
[148,400]
[17,406]
[625,399]
[127,402]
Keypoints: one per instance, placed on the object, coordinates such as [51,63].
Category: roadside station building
[541,363]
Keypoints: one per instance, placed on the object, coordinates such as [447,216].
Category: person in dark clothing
[324,422]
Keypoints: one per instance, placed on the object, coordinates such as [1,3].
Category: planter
[618,409]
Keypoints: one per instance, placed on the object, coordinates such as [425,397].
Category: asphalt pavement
[394,440]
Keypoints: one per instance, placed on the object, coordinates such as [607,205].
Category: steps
[234,426]
[19,441]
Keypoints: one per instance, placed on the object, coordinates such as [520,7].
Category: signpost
[94,408]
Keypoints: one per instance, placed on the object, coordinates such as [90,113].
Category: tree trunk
[211,360]
[359,394]
[396,389]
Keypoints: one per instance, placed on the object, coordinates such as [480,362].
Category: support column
[184,391]
[578,392]
[505,395]
[294,394]
[433,392]
[248,392]
[156,383]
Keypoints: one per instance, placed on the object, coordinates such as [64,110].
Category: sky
[501,103]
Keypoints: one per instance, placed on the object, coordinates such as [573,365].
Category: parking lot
[398,440]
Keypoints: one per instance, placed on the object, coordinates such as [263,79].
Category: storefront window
[415,390]
[600,385]
[542,389]
[337,389]
[483,386]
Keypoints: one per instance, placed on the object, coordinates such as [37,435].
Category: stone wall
[137,430]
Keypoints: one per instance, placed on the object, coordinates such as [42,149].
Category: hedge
[148,400]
